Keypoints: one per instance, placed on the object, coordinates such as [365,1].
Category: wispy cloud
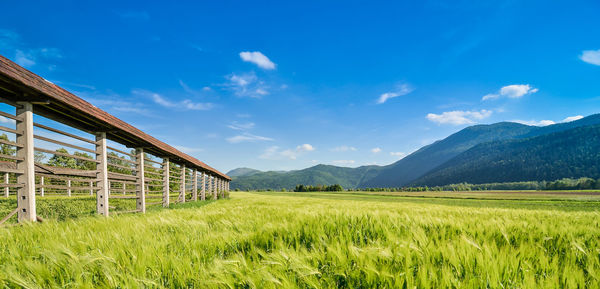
[511,91]
[11,43]
[573,118]
[401,89]
[241,126]
[546,122]
[185,104]
[247,85]
[343,162]
[458,117]
[247,137]
[257,58]
[275,153]
[188,150]
[591,56]
[398,154]
[376,150]
[343,148]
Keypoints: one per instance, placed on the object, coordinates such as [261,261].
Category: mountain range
[499,152]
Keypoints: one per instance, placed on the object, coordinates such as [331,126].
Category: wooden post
[166,187]
[195,185]
[69,188]
[91,188]
[203,193]
[141,187]
[6,181]
[42,186]
[182,189]
[214,187]
[26,193]
[102,175]
[124,187]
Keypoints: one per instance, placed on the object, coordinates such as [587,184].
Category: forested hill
[572,153]
[317,175]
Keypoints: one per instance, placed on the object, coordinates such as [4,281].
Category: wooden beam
[102,175]
[182,186]
[203,193]
[195,185]
[141,184]
[26,193]
[166,182]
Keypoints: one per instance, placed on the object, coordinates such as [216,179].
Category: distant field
[320,240]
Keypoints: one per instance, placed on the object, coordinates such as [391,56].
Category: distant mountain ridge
[443,158]
[240,172]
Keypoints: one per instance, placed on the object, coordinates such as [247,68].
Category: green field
[320,240]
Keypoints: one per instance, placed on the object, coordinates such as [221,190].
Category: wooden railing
[73,148]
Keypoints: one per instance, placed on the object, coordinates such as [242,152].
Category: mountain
[427,158]
[414,167]
[240,172]
[570,153]
[317,175]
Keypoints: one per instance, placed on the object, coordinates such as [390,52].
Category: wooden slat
[8,129]
[65,155]
[8,115]
[153,161]
[120,151]
[11,157]
[64,144]
[122,197]
[7,170]
[122,167]
[51,176]
[122,175]
[121,159]
[64,187]
[7,142]
[10,185]
[64,133]
[9,215]
[154,197]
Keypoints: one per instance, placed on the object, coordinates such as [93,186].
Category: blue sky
[279,85]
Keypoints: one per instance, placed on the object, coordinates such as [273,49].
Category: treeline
[319,188]
[562,184]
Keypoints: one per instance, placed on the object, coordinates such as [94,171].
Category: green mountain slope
[571,153]
[425,159]
[240,172]
[317,175]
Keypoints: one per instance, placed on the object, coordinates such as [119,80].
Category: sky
[282,85]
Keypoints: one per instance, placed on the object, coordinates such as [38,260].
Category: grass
[315,240]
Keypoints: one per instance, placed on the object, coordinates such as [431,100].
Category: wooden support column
[26,193]
[124,187]
[102,175]
[69,188]
[195,185]
[42,186]
[141,179]
[6,181]
[203,193]
[182,186]
[166,186]
[91,188]
[214,187]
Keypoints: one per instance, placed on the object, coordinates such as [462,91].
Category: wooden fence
[54,143]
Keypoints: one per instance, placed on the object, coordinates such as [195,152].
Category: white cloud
[511,91]
[246,137]
[402,89]
[6,120]
[257,58]
[572,118]
[591,56]
[398,154]
[343,149]
[546,122]
[376,150]
[274,152]
[247,85]
[185,104]
[458,117]
[188,150]
[23,59]
[241,126]
[343,162]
